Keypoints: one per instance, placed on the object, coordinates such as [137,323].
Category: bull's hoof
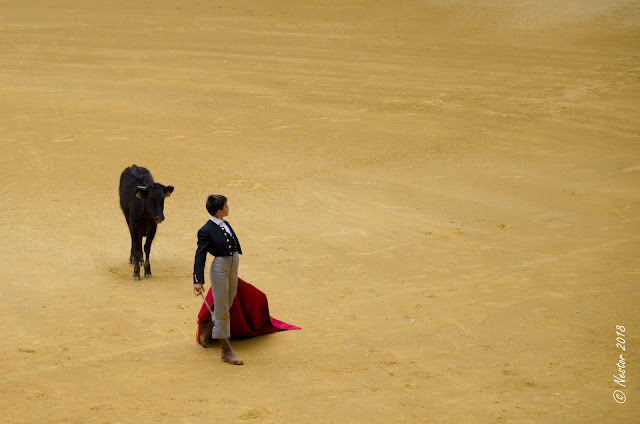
[136,277]
[147,275]
[131,262]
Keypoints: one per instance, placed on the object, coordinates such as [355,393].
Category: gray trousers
[224,285]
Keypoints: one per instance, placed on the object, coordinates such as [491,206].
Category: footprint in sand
[254,413]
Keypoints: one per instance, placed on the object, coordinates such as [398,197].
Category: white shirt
[222,224]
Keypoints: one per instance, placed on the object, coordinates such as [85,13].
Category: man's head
[215,203]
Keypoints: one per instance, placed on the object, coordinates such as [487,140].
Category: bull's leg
[147,251]
[131,255]
[132,258]
[136,248]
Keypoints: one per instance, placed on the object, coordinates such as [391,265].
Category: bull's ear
[168,190]
[140,191]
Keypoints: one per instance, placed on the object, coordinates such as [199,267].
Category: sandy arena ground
[442,194]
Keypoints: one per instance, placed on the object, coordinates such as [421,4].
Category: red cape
[249,313]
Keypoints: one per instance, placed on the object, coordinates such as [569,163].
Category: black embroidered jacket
[213,239]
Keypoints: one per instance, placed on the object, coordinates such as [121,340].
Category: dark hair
[215,202]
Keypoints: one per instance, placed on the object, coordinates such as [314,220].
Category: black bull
[142,202]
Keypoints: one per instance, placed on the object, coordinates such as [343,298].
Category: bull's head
[153,196]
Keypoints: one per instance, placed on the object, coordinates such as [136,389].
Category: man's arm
[201,257]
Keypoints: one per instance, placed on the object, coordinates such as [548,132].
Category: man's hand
[198,289]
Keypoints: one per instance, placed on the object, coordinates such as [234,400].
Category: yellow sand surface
[444,195]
